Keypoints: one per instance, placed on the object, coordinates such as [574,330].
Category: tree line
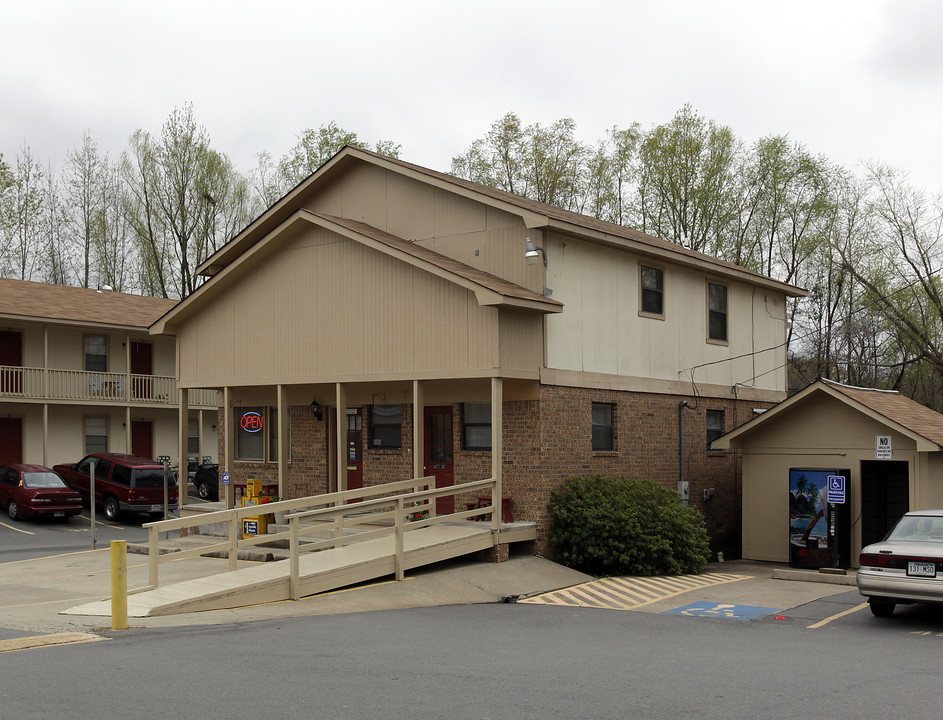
[866,244]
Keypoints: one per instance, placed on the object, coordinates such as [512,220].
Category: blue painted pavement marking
[722,610]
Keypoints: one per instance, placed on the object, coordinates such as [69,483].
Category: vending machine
[819,517]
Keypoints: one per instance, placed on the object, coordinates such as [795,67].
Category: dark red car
[36,491]
[123,483]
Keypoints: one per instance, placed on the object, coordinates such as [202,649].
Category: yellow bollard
[119,584]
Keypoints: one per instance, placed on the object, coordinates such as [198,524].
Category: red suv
[123,483]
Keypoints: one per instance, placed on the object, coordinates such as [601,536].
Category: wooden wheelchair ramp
[318,572]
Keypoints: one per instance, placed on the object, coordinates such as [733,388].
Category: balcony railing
[40,384]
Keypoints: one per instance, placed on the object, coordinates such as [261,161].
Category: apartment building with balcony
[79,373]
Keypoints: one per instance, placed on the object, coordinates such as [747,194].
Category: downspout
[683,488]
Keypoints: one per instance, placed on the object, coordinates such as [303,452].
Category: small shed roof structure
[889,445]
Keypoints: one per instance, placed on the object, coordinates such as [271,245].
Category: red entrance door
[11,440]
[354,448]
[11,356]
[142,363]
[438,453]
[142,438]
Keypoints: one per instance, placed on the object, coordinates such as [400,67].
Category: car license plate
[921,569]
[156,508]
[58,513]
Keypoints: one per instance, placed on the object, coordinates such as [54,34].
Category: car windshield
[42,480]
[918,528]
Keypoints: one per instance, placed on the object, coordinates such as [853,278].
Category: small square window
[717,312]
[603,432]
[715,425]
[653,291]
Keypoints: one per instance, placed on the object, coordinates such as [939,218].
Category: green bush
[604,527]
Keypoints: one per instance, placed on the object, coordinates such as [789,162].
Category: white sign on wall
[883,450]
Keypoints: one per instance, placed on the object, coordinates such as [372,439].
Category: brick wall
[545,443]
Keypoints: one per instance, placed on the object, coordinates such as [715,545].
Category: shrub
[603,526]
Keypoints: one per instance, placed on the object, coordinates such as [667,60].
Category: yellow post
[119,584]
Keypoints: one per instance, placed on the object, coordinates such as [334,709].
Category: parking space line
[842,614]
[20,530]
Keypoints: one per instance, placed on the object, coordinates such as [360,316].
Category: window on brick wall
[476,426]
[603,427]
[386,426]
[256,433]
[715,425]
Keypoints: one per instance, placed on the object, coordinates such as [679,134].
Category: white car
[906,566]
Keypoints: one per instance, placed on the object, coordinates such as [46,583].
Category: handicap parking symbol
[722,610]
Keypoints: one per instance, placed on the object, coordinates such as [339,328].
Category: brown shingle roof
[899,408]
[22,299]
[485,279]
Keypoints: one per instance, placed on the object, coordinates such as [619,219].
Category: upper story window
[386,426]
[476,426]
[96,353]
[653,291]
[716,312]
[715,425]
[603,427]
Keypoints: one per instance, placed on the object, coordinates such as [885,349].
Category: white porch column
[341,439]
[419,469]
[183,434]
[283,440]
[228,438]
[497,449]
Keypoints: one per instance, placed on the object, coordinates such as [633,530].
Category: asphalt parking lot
[35,586]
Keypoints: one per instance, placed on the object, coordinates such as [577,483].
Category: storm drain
[629,593]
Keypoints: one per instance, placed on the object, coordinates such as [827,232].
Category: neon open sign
[251,422]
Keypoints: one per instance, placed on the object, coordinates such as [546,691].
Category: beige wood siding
[323,306]
[478,235]
[601,331]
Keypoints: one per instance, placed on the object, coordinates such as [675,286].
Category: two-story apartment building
[79,373]
[383,321]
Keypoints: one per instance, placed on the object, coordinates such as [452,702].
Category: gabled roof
[899,412]
[488,288]
[536,215]
[23,300]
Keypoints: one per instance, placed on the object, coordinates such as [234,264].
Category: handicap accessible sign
[722,610]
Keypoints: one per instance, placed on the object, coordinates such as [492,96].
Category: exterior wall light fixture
[532,252]
[316,410]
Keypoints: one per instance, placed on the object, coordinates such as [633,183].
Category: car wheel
[111,508]
[203,489]
[882,610]
[13,510]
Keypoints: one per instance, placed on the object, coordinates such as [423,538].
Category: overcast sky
[853,79]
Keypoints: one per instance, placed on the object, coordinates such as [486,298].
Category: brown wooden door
[437,454]
[11,356]
[354,455]
[142,438]
[11,440]
[142,363]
